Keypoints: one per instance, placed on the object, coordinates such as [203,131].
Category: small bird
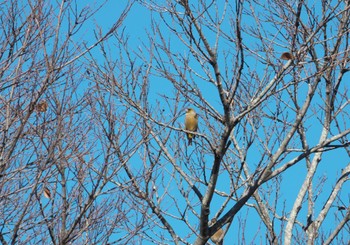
[191,124]
[217,238]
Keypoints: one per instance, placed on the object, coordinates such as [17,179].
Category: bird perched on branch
[217,238]
[191,123]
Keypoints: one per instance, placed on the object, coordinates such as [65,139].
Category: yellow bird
[217,238]
[191,123]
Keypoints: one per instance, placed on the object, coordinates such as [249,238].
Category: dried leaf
[47,193]
[286,56]
[42,106]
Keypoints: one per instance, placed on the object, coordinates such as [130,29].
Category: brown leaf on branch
[287,56]
[42,106]
[47,193]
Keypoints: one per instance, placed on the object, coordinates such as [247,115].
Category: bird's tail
[190,137]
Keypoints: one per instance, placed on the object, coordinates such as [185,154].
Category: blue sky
[137,27]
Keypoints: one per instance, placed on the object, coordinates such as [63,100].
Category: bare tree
[269,84]
[93,146]
[53,174]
